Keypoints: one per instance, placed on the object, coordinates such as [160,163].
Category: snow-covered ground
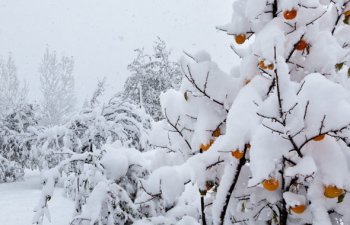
[17,201]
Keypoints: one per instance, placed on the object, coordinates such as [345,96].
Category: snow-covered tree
[10,171]
[17,134]
[150,76]
[299,143]
[57,87]
[195,116]
[11,92]
[274,141]
[98,154]
[98,93]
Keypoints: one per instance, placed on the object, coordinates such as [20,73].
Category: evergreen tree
[150,76]
[98,93]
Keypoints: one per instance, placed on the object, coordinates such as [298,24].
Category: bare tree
[11,92]
[57,87]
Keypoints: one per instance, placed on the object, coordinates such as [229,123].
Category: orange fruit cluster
[264,67]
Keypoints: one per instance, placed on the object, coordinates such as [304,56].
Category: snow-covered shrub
[94,127]
[16,117]
[10,171]
[112,200]
[98,175]
[17,134]
[103,183]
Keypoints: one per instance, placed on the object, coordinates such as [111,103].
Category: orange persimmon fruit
[290,14]
[271,184]
[298,209]
[237,154]
[332,191]
[216,132]
[301,45]
[205,147]
[240,38]
[319,137]
[347,13]
[264,67]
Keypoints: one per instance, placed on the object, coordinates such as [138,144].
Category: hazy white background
[102,34]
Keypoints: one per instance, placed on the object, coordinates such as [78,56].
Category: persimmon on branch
[238,170]
[293,49]
[295,46]
[283,211]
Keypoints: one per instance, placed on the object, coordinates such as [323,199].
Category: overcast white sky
[101,34]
